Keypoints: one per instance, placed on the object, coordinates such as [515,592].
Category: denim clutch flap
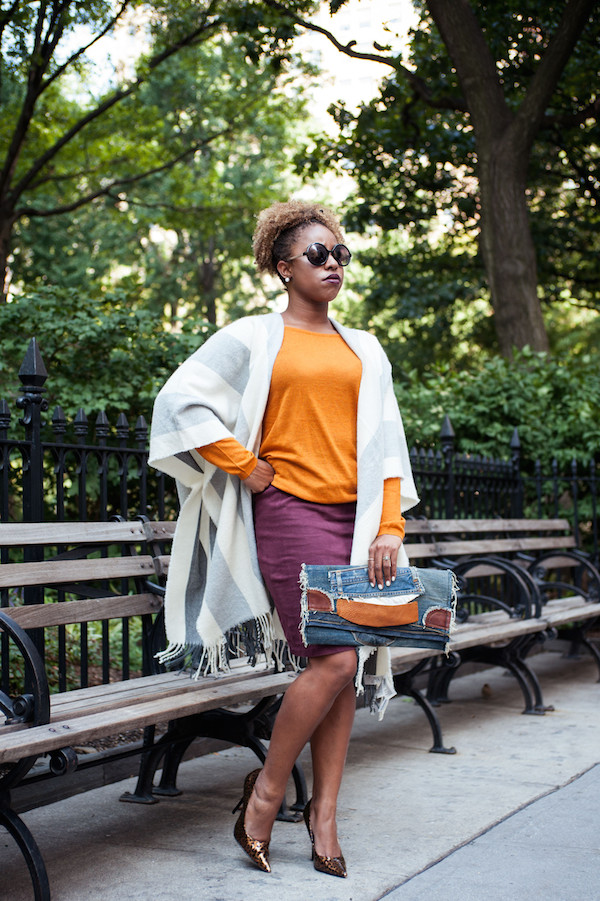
[341,607]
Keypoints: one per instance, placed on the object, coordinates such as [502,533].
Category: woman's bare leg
[329,747]
[306,704]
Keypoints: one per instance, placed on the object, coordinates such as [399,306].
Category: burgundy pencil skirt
[289,532]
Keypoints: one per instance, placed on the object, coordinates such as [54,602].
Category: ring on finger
[386,557]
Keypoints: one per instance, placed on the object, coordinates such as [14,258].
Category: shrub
[554,402]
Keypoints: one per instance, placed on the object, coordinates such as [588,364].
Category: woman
[286,440]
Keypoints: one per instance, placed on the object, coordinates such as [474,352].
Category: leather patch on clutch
[438,618]
[318,600]
[377,614]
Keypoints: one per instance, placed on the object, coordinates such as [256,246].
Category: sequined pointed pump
[334,866]
[257,851]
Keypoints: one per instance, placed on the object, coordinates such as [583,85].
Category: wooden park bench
[503,609]
[522,581]
[83,573]
[96,572]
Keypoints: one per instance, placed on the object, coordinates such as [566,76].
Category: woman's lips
[333,278]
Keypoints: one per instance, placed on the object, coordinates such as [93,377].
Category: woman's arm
[231,456]
[383,553]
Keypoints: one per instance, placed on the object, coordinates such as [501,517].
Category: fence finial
[447,431]
[33,372]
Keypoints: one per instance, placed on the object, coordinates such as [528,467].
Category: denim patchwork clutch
[341,607]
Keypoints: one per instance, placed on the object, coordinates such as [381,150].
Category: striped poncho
[221,391]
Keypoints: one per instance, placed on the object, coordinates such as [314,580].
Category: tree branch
[591,111]
[79,53]
[39,61]
[475,65]
[4,20]
[120,182]
[7,16]
[186,210]
[419,86]
[116,97]
[530,114]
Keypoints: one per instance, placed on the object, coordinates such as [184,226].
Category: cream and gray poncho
[221,391]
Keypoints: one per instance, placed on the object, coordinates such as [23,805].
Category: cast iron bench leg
[219,724]
[30,851]
[440,676]
[502,657]
[167,786]
[403,683]
[520,649]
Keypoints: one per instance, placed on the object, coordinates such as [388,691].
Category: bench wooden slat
[557,562]
[36,616]
[447,526]
[53,736]
[501,545]
[421,551]
[479,570]
[468,548]
[122,694]
[566,610]
[48,572]
[161,565]
[159,531]
[15,534]
[81,696]
[417,527]
[473,634]
[427,550]
[404,658]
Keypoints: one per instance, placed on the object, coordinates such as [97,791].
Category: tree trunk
[504,140]
[207,276]
[6,227]
[509,254]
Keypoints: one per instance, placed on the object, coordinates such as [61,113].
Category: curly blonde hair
[278,226]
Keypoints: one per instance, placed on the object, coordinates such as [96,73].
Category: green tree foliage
[209,206]
[482,152]
[102,352]
[554,402]
[182,235]
[72,137]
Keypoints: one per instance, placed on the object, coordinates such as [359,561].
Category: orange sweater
[309,427]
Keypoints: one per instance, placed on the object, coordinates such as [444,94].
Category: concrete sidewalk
[513,815]
[548,849]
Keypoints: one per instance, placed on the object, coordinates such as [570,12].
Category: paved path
[513,815]
[549,849]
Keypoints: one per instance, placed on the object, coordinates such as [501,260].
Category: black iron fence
[52,469]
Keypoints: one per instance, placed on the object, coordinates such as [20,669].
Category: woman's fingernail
[393,578]
[388,583]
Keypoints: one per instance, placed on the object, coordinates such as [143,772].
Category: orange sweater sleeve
[231,456]
[392,521]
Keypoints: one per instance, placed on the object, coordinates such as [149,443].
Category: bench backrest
[456,538]
[61,574]
[428,539]
[492,554]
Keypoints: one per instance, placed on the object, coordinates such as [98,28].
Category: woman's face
[313,283]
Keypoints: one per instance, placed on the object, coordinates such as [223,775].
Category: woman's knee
[339,669]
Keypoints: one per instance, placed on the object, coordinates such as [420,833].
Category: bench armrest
[33,707]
